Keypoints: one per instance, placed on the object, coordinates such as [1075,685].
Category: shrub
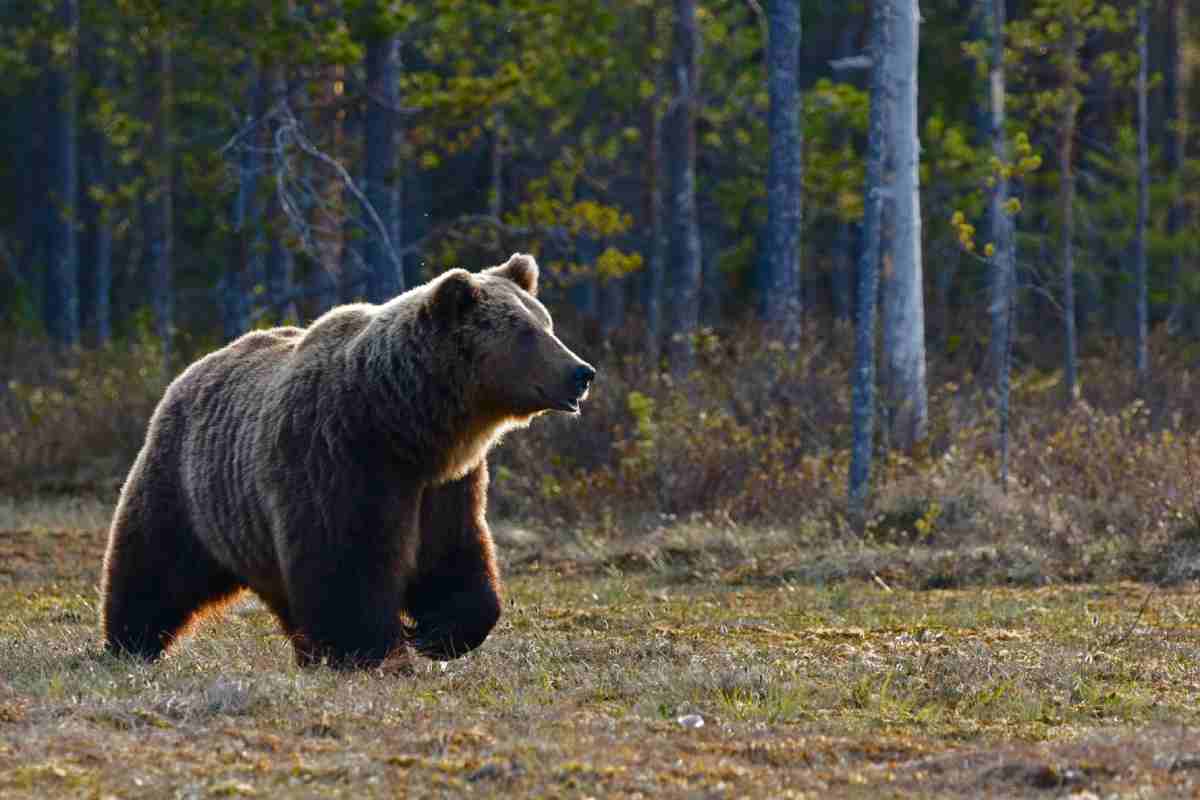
[756,435]
[76,420]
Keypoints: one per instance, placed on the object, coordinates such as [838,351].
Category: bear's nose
[583,377]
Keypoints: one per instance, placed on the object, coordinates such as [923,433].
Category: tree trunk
[280,268]
[235,293]
[782,301]
[1003,283]
[385,275]
[396,227]
[418,204]
[353,277]
[159,217]
[1090,305]
[844,245]
[710,279]
[96,275]
[612,305]
[280,263]
[684,305]
[62,280]
[496,192]
[656,246]
[863,403]
[327,214]
[36,213]
[842,278]
[234,301]
[947,256]
[981,28]
[1067,204]
[351,218]
[583,293]
[1142,358]
[1178,84]
[903,301]
[999,222]
[1043,305]
[324,286]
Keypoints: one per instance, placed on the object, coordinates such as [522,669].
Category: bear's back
[241,367]
[335,329]
[212,412]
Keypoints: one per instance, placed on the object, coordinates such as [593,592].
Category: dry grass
[809,683]
[54,513]
[682,554]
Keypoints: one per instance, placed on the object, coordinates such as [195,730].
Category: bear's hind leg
[157,578]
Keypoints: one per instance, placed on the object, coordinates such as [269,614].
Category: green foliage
[642,454]
[78,423]
[962,157]
[564,95]
[1043,52]
[835,120]
[1115,214]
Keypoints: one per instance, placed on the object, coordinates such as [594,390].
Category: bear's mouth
[570,406]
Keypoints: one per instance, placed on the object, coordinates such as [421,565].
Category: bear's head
[521,367]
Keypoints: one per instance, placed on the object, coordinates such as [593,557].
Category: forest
[176,177]
[889,472]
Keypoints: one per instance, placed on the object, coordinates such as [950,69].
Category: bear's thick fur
[340,473]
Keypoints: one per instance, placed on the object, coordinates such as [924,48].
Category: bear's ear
[455,293]
[521,269]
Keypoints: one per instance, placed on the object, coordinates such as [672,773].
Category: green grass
[808,684]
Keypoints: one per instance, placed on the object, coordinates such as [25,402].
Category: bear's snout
[571,388]
[579,380]
[584,374]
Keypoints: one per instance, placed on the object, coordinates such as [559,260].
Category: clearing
[596,678]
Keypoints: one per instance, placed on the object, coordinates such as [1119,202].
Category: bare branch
[290,129]
[862,62]
[301,170]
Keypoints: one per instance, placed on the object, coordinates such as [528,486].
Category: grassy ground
[809,682]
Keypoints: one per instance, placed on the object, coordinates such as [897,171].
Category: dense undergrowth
[757,436]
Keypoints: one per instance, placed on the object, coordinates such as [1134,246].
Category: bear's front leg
[455,597]
[461,620]
[346,586]
[346,614]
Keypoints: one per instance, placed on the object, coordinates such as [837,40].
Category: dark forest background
[694,180]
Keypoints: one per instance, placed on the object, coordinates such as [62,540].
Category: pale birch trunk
[1003,278]
[903,300]
[1067,208]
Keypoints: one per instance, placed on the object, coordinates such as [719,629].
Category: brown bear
[339,472]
